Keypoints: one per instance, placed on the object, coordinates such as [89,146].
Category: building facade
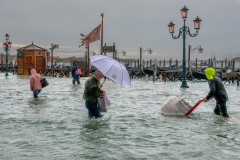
[31,56]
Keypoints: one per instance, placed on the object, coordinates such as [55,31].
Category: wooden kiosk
[31,56]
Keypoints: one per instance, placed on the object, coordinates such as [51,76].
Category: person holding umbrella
[92,91]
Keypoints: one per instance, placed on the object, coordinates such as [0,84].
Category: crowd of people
[93,88]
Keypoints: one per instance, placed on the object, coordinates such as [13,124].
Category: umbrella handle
[104,80]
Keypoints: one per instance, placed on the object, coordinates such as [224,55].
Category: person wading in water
[91,94]
[217,91]
[35,84]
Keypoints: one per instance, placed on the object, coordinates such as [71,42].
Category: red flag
[82,35]
[92,36]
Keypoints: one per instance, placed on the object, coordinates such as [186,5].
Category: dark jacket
[74,69]
[91,90]
[217,89]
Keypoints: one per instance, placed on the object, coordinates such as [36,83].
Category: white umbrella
[111,68]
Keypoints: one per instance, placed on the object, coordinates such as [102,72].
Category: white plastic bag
[104,103]
[175,107]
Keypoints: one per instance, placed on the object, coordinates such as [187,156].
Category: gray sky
[131,24]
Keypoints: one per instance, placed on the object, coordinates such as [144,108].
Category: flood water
[56,126]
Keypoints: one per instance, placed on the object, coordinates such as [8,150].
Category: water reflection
[96,124]
[76,87]
[36,104]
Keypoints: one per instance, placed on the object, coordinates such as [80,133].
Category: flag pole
[88,74]
[101,49]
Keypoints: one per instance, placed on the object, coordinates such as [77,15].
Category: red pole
[88,61]
[101,49]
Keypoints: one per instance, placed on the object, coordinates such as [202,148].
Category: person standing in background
[75,75]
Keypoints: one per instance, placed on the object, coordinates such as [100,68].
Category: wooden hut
[31,56]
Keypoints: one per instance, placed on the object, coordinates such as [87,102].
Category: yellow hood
[209,72]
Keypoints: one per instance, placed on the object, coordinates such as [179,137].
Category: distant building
[31,56]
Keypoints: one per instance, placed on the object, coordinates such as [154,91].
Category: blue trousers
[36,92]
[93,109]
[221,109]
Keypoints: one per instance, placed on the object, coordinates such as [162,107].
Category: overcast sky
[131,24]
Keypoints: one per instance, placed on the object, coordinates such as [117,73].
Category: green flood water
[56,126]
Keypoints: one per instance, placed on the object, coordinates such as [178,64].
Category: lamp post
[53,46]
[183,31]
[122,51]
[7,45]
[149,50]
[88,66]
[190,49]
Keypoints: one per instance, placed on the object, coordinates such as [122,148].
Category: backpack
[78,72]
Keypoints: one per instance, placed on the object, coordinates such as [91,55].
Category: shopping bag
[44,82]
[104,103]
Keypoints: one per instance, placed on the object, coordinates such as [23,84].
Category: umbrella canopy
[111,68]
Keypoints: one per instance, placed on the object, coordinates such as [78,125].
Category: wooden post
[143,64]
[201,66]
[221,67]
[209,63]
[141,58]
[164,64]
[170,64]
[160,64]
[226,65]
[138,64]
[233,66]
[196,63]
[114,55]
[150,63]
[233,70]
[176,64]
[238,78]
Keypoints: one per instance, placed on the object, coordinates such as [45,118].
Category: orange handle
[195,106]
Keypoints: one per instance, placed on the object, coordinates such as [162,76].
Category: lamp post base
[6,74]
[184,84]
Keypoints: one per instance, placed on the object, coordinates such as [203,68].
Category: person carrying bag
[36,83]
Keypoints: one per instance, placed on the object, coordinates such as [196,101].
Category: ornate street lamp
[122,51]
[183,31]
[149,50]
[7,45]
[199,48]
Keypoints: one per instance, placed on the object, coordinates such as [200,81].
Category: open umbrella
[111,68]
